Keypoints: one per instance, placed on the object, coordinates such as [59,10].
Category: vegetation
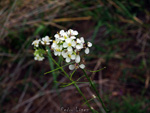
[119,31]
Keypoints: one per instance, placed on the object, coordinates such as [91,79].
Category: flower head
[36,42]
[68,45]
[46,40]
[72,67]
[39,58]
[65,44]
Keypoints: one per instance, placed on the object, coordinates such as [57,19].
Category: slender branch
[73,83]
[96,91]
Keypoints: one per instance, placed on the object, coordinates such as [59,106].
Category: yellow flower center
[45,42]
[69,56]
[69,44]
[38,57]
[58,50]
[65,37]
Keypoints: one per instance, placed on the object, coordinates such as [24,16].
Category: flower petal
[82,39]
[77,60]
[73,37]
[89,44]
[48,43]
[78,41]
[42,42]
[68,40]
[73,43]
[56,36]
[87,50]
[73,57]
[65,44]
[71,67]
[61,32]
[69,49]
[75,32]
[67,59]
[82,66]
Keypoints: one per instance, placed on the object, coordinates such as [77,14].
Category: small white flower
[69,56]
[82,66]
[79,44]
[56,36]
[46,40]
[58,50]
[54,44]
[87,50]
[36,43]
[62,32]
[73,37]
[72,32]
[82,40]
[75,33]
[59,37]
[71,67]
[69,43]
[89,44]
[64,53]
[77,60]
[78,41]
[65,35]
[39,58]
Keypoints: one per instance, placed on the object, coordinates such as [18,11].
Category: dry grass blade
[46,93]
[7,18]
[99,104]
[72,19]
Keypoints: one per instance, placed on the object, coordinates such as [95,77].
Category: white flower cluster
[67,45]
[38,54]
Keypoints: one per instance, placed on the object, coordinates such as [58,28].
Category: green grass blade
[57,69]
[80,78]
[51,65]
[72,74]
[68,84]
[96,70]
[88,101]
[96,30]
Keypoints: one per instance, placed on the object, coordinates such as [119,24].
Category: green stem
[73,83]
[96,91]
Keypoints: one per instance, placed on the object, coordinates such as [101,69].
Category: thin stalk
[73,83]
[94,88]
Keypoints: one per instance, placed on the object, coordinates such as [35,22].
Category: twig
[96,67]
[46,93]
[96,101]
[27,107]
[22,95]
[100,85]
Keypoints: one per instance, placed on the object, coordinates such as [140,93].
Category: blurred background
[120,33]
